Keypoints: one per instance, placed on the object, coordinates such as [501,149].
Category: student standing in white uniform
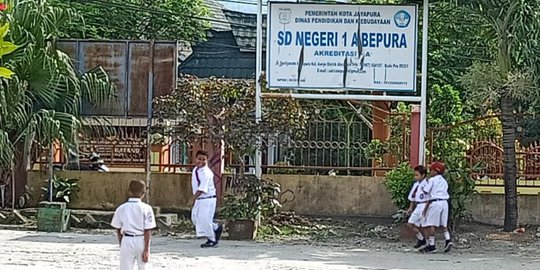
[204,202]
[134,221]
[418,202]
[436,211]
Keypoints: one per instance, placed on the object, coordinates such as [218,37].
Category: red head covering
[438,167]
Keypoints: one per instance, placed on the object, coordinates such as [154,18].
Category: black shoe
[218,232]
[429,249]
[420,244]
[448,246]
[209,244]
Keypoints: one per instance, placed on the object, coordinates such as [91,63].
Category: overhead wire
[170,13]
[242,47]
[264,3]
[160,12]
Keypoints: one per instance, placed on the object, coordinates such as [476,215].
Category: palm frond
[6,150]
[41,104]
[97,88]
[51,126]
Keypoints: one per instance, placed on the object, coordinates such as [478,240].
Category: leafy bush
[64,189]
[255,197]
[375,150]
[450,145]
[399,182]
[461,187]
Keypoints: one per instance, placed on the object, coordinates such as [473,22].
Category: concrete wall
[489,209]
[335,195]
[104,191]
[310,195]
[305,194]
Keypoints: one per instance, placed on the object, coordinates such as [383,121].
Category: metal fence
[485,153]
[326,146]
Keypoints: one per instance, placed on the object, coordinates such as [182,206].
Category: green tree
[223,110]
[136,19]
[509,81]
[6,48]
[445,110]
[451,51]
[41,103]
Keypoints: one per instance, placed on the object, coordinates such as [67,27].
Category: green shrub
[256,197]
[399,182]
[64,189]
[461,187]
[376,150]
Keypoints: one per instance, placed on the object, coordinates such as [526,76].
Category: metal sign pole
[258,90]
[149,122]
[423,95]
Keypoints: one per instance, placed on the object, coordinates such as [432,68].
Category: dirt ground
[288,241]
[23,250]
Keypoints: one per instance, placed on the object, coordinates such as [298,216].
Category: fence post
[381,131]
[415,135]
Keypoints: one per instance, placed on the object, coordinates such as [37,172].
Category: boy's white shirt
[437,188]
[420,196]
[206,185]
[414,191]
[134,217]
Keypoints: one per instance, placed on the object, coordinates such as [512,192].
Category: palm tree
[509,81]
[41,103]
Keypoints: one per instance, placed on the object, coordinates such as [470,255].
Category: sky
[246,8]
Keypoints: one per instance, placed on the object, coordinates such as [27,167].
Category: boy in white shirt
[436,211]
[418,202]
[204,202]
[134,221]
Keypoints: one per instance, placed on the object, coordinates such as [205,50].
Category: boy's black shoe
[218,232]
[209,244]
[429,249]
[420,244]
[448,246]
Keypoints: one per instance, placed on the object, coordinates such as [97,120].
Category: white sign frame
[331,80]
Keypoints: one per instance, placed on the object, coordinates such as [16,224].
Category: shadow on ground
[172,253]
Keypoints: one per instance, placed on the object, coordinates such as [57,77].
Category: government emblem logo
[402,19]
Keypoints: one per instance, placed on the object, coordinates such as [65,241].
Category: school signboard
[342,46]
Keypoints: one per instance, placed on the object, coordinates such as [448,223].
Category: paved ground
[29,250]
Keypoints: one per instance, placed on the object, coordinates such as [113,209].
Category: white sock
[214,226]
[447,235]
[420,236]
[432,241]
[213,239]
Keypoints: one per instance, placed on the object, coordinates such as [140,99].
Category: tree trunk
[215,163]
[21,171]
[510,172]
